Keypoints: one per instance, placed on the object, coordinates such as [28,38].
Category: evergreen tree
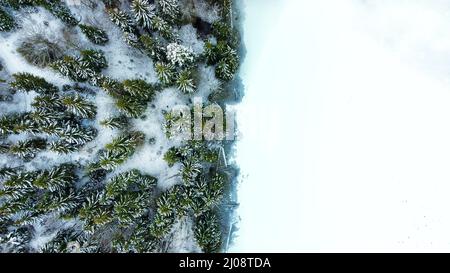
[207,232]
[94,34]
[75,134]
[47,103]
[40,51]
[162,27]
[129,181]
[131,107]
[16,241]
[190,170]
[126,143]
[122,20]
[26,82]
[153,47]
[130,206]
[170,9]
[6,21]
[60,11]
[45,117]
[29,148]
[185,82]
[139,89]
[79,106]
[119,122]
[93,59]
[57,178]
[63,147]
[58,202]
[165,73]
[95,212]
[143,12]
[179,56]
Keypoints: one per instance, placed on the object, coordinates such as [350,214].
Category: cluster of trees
[120,204]
[200,194]
[55,7]
[59,117]
[117,151]
[6,21]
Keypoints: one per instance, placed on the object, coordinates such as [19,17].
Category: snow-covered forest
[86,93]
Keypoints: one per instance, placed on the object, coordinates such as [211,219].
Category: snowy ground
[345,126]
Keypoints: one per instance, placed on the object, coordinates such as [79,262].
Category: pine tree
[172,156]
[94,34]
[122,20]
[207,232]
[57,178]
[162,27]
[93,59]
[185,82]
[76,134]
[58,202]
[26,82]
[29,148]
[130,206]
[126,143]
[40,51]
[139,89]
[128,181]
[153,48]
[16,241]
[79,106]
[119,122]
[143,12]
[63,147]
[45,117]
[60,11]
[165,73]
[170,9]
[119,150]
[228,64]
[179,56]
[6,21]
[131,107]
[191,168]
[47,103]
[95,212]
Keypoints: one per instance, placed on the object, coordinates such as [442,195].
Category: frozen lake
[345,123]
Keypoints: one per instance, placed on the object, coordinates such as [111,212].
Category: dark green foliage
[119,150]
[139,89]
[79,106]
[223,32]
[29,148]
[170,10]
[39,51]
[162,27]
[94,59]
[94,34]
[129,181]
[165,72]
[153,48]
[59,10]
[26,82]
[207,232]
[119,122]
[185,82]
[56,179]
[95,212]
[143,12]
[6,21]
[83,68]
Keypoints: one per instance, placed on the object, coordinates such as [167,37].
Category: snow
[345,127]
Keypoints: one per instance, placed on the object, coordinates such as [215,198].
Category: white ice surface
[346,139]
